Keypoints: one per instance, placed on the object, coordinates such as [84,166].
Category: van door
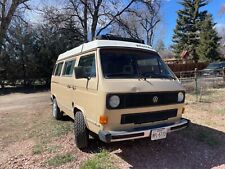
[67,83]
[86,88]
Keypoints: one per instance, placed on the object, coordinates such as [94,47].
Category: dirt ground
[29,137]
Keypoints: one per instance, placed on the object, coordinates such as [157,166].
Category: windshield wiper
[141,77]
[154,75]
[144,76]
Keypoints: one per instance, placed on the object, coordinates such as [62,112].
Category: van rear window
[58,69]
[68,67]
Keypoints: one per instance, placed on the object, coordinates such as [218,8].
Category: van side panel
[67,84]
[57,90]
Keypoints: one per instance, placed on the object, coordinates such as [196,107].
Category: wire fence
[199,82]
[21,82]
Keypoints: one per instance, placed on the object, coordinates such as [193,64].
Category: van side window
[88,62]
[68,68]
[58,69]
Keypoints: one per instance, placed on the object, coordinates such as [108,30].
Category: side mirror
[80,72]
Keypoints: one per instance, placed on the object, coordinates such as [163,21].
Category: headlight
[114,101]
[180,97]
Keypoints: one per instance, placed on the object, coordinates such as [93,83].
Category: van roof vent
[113,37]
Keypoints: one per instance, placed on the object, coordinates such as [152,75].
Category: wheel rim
[54,109]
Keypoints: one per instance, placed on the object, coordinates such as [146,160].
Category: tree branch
[114,17]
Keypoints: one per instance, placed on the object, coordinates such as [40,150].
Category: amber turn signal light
[103,119]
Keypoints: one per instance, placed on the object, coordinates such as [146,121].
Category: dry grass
[209,111]
[31,138]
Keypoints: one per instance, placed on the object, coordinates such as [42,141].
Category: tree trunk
[6,18]
[1,44]
[95,19]
[85,22]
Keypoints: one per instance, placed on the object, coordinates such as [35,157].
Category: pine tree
[209,41]
[186,33]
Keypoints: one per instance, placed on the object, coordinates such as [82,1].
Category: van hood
[140,85]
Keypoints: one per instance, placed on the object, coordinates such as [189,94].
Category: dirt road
[29,137]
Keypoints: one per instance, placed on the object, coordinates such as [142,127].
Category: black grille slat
[147,117]
[146,99]
[135,100]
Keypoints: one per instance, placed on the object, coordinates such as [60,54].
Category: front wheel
[80,131]
[57,114]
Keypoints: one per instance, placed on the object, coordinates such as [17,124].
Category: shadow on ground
[67,118]
[195,147]
[25,90]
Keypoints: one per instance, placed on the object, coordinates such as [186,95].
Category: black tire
[80,131]
[56,113]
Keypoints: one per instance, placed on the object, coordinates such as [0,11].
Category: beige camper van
[117,89]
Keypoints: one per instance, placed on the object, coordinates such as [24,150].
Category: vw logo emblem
[155,99]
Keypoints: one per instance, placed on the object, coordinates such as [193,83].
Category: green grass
[40,148]
[52,149]
[49,129]
[59,160]
[61,128]
[37,149]
[101,160]
[46,131]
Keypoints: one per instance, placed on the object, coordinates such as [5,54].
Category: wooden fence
[182,67]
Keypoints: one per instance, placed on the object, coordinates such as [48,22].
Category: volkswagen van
[117,89]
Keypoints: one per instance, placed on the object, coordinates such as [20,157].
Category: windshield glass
[127,63]
[213,65]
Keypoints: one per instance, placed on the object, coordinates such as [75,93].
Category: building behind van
[117,89]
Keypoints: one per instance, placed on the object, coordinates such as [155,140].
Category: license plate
[158,134]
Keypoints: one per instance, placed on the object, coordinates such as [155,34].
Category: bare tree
[96,15]
[150,19]
[7,11]
[141,20]
[126,26]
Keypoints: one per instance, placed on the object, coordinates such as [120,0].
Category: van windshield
[127,63]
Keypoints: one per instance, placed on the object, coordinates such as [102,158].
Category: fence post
[196,83]
[224,74]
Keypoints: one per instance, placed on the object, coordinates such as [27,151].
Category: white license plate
[158,134]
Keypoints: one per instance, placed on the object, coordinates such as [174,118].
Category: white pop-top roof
[102,43]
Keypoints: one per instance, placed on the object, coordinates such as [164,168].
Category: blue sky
[169,16]
[168,12]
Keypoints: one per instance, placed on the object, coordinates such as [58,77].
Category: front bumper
[113,136]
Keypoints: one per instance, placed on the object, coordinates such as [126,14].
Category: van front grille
[135,100]
[138,118]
